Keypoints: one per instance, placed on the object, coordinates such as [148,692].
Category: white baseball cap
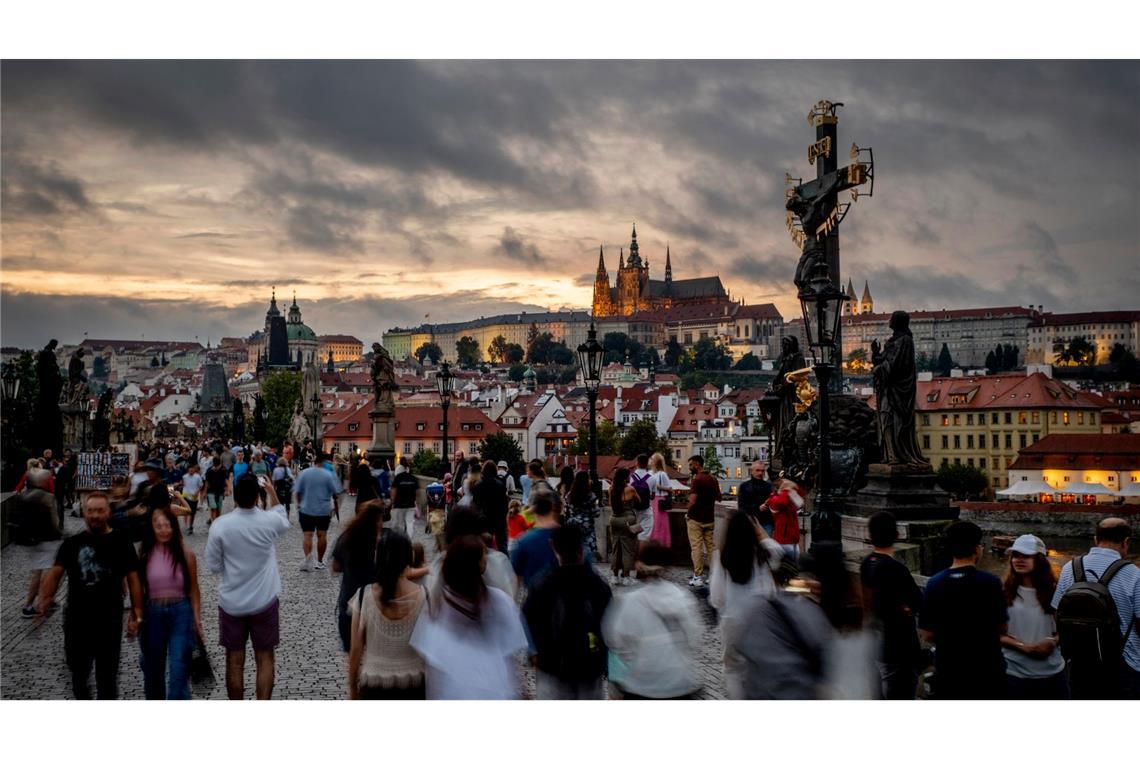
[1028,545]
[502,464]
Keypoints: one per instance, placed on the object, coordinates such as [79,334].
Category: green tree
[426,462]
[516,372]
[514,353]
[999,358]
[497,351]
[99,367]
[607,439]
[430,351]
[673,352]
[992,363]
[945,361]
[20,430]
[641,438]
[923,363]
[709,354]
[1079,351]
[531,337]
[467,351]
[712,462]
[748,362]
[500,447]
[618,346]
[281,391]
[962,481]
[154,361]
[539,348]
[1010,356]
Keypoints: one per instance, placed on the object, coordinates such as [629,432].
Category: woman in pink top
[172,621]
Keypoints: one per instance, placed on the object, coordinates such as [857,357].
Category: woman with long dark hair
[172,620]
[489,497]
[565,483]
[381,661]
[469,644]
[582,510]
[1034,667]
[354,556]
[624,527]
[740,570]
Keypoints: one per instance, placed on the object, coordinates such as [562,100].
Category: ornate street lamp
[444,383]
[822,305]
[590,356]
[317,420]
[10,382]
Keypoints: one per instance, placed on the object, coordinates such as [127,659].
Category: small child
[516,523]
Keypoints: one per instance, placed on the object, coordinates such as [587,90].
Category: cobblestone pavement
[310,664]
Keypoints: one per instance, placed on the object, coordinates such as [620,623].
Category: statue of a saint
[101,426]
[310,388]
[383,377]
[893,374]
[47,372]
[76,390]
[791,359]
[299,427]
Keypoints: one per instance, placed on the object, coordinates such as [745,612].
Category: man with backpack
[639,481]
[1097,602]
[564,620]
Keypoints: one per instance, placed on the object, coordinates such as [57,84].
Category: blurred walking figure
[741,569]
[382,663]
[564,618]
[892,599]
[964,616]
[498,572]
[37,531]
[354,556]
[172,602]
[581,509]
[653,632]
[1034,668]
[469,644]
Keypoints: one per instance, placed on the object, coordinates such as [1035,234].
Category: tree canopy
[500,447]
[641,438]
[430,351]
[467,351]
[280,392]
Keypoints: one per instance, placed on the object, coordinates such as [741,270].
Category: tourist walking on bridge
[891,598]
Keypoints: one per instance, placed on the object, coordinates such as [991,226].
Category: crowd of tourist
[513,575]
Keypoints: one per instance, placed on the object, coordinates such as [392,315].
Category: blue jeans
[168,638]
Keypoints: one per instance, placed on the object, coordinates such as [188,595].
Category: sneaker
[27,613]
[320,566]
[304,568]
[696,579]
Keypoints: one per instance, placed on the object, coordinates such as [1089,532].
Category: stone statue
[893,374]
[791,359]
[238,420]
[48,420]
[299,427]
[383,377]
[812,214]
[101,426]
[310,387]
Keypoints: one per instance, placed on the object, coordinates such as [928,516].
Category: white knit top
[389,662]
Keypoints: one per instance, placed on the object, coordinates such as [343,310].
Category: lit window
[945,420]
[1021,418]
[1065,418]
[1080,418]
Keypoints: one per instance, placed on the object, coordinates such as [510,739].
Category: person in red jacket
[785,506]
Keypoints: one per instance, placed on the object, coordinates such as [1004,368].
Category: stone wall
[1045,520]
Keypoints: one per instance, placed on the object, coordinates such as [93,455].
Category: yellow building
[985,421]
[344,348]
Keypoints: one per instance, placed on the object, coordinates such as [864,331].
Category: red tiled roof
[998,392]
[1086,317]
[409,418]
[338,339]
[688,415]
[1086,443]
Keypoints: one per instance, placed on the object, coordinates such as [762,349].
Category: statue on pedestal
[383,378]
[101,426]
[48,420]
[76,391]
[894,376]
[791,359]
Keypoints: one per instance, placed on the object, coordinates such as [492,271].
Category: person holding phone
[242,549]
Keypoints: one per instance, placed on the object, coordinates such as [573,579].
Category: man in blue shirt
[316,490]
[534,556]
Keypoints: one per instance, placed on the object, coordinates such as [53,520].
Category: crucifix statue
[814,210]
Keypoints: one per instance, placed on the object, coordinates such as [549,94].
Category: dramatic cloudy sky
[164,199]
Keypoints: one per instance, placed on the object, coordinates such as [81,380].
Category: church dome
[299,331]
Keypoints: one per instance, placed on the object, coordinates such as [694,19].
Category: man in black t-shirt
[892,598]
[217,486]
[964,615]
[96,562]
[404,487]
[754,492]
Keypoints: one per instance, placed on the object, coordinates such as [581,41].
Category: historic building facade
[285,340]
[1049,333]
[634,292]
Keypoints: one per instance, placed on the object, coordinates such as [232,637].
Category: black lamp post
[822,305]
[769,406]
[443,383]
[590,356]
[10,382]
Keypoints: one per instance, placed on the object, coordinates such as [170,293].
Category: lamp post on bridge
[444,383]
[590,356]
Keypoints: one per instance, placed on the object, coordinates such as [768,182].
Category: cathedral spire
[621,257]
[601,259]
[668,266]
[634,256]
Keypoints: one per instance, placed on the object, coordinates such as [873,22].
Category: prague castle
[635,292]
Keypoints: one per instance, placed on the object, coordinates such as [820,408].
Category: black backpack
[575,623]
[1088,623]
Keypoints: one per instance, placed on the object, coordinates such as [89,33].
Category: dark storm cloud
[40,189]
[764,269]
[515,248]
[585,280]
[926,287]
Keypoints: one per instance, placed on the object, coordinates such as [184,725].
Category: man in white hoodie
[652,632]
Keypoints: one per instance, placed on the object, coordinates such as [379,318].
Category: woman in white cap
[1033,663]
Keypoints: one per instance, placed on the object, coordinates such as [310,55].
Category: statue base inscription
[908,491]
[382,449]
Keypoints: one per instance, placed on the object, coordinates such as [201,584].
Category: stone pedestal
[75,424]
[923,511]
[383,446]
